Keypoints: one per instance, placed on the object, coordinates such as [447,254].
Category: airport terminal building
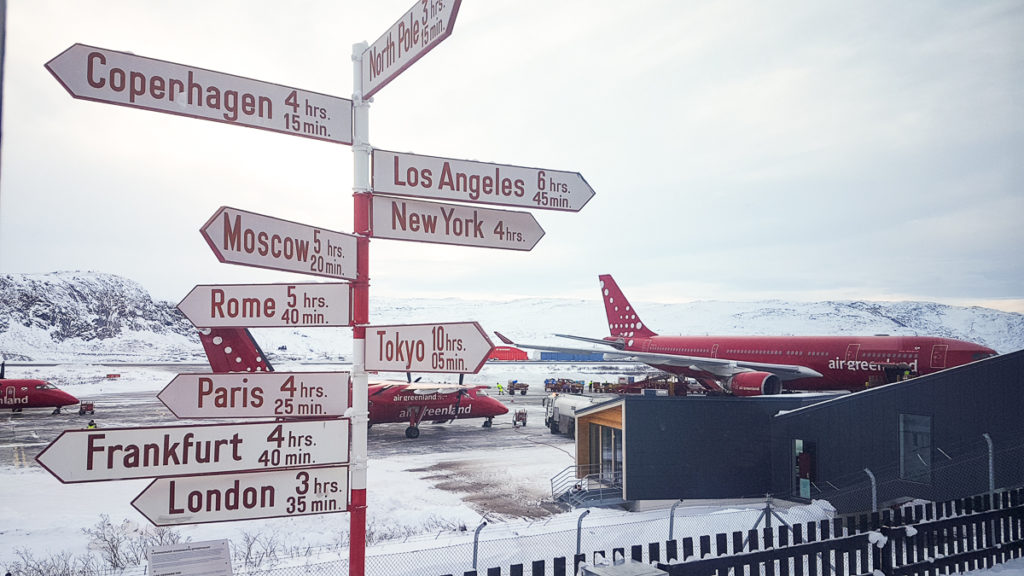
[934,437]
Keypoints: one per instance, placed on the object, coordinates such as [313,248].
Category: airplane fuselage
[17,394]
[398,404]
[845,363]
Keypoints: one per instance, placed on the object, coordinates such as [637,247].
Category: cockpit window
[45,386]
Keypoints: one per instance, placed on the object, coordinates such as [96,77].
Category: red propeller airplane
[235,350]
[17,394]
[756,365]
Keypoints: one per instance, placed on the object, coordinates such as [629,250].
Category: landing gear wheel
[55,411]
[487,423]
[412,432]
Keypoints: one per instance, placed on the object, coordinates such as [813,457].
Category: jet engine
[754,384]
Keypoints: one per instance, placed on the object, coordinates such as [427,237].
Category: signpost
[221,497]
[125,453]
[267,305]
[257,395]
[418,221]
[102,75]
[424,26]
[478,182]
[460,347]
[240,237]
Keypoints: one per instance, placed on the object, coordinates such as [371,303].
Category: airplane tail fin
[622,319]
[233,350]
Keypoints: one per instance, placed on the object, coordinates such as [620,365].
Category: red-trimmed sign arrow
[419,221]
[424,26]
[223,497]
[458,347]
[478,182]
[250,239]
[125,453]
[257,395]
[268,305]
[102,75]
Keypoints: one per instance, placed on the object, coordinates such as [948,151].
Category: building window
[916,448]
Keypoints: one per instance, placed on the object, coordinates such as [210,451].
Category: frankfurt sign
[95,455]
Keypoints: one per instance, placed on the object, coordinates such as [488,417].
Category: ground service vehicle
[560,411]
[514,385]
[564,385]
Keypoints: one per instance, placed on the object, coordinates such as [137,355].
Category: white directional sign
[221,497]
[257,395]
[240,237]
[124,453]
[424,26]
[102,75]
[418,221]
[459,347]
[268,305]
[478,182]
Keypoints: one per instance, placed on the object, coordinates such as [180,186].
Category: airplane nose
[499,408]
[67,399]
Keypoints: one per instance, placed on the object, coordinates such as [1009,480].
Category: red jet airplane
[235,350]
[756,365]
[17,394]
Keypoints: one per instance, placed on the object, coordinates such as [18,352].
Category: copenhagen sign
[101,75]
[257,395]
[249,496]
[478,182]
[268,305]
[460,347]
[250,239]
[126,453]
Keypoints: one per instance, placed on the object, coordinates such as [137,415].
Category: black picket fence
[922,540]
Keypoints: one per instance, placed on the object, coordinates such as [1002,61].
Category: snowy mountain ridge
[97,317]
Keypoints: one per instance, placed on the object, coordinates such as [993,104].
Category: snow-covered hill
[90,316]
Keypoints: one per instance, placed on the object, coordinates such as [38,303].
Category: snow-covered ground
[423,523]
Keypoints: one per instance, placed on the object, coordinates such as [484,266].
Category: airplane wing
[719,367]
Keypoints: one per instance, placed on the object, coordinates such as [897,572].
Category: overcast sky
[739,150]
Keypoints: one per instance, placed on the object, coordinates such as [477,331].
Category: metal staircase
[584,486]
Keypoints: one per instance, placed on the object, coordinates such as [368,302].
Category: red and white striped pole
[360,315]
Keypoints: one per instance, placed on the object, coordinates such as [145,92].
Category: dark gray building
[925,438]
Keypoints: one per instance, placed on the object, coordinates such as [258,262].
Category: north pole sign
[257,395]
[224,497]
[458,347]
[125,453]
[417,32]
[250,239]
[478,182]
[268,305]
[101,75]
[434,222]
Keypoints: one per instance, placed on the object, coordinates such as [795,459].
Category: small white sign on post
[268,305]
[458,347]
[250,496]
[424,26]
[257,395]
[250,239]
[475,182]
[101,75]
[210,558]
[419,221]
